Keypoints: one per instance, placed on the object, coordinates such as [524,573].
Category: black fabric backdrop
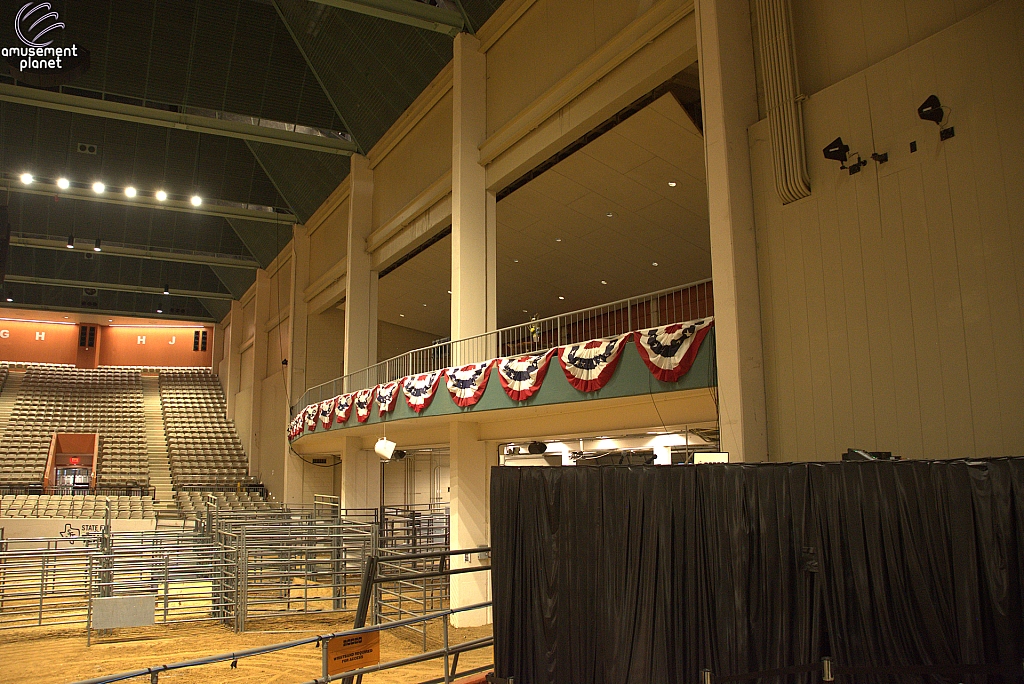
[649,574]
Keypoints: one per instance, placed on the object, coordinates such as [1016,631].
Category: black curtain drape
[650,574]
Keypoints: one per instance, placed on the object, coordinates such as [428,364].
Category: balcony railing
[672,305]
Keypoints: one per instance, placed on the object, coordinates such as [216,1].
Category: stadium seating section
[203,447]
[202,444]
[53,399]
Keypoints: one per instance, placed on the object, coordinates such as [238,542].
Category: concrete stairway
[156,444]
[9,396]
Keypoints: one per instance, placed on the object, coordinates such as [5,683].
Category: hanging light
[27,178]
[98,187]
[97,248]
[63,183]
[71,241]
[161,196]
[130,191]
[167,289]
[196,200]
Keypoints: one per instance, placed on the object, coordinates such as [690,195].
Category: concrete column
[729,101]
[470,522]
[233,357]
[360,476]
[473,222]
[361,292]
[259,372]
[296,354]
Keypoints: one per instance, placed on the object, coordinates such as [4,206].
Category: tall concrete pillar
[470,518]
[233,357]
[296,354]
[361,292]
[473,215]
[729,101]
[359,482]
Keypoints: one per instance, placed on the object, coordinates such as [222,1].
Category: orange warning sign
[353,652]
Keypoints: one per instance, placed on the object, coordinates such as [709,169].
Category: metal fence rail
[672,305]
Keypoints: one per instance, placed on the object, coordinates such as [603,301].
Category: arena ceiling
[250,105]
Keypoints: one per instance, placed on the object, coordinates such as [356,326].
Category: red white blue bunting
[522,376]
[467,384]
[364,398]
[343,408]
[669,351]
[310,414]
[327,412]
[589,365]
[387,395]
[419,389]
[295,427]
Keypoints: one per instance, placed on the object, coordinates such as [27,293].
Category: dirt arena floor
[49,655]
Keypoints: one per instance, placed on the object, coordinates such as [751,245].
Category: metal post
[826,670]
[444,632]
[241,582]
[705,676]
[167,579]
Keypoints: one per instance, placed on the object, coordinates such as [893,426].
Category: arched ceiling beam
[159,117]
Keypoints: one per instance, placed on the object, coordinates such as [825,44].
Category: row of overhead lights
[99,188]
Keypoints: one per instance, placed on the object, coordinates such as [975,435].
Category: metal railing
[672,305]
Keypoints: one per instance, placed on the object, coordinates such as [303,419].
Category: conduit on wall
[785,117]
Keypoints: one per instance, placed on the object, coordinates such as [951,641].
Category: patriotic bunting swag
[327,413]
[669,351]
[363,400]
[467,384]
[522,376]
[419,389]
[343,409]
[386,397]
[589,365]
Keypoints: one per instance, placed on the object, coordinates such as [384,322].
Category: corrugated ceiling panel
[304,178]
[64,298]
[264,240]
[372,68]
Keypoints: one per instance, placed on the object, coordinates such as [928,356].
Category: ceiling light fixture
[161,196]
[97,248]
[71,241]
[449,291]
[196,200]
[63,183]
[159,310]
[402,315]
[561,297]
[654,263]
[27,178]
[516,260]
[9,299]
[98,187]
[558,239]
[671,184]
[604,282]
[167,289]
[130,191]
[610,215]
[424,305]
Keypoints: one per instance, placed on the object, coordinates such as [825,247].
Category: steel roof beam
[116,287]
[139,253]
[109,312]
[207,208]
[186,122]
[409,12]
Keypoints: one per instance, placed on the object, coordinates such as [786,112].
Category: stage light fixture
[63,183]
[27,178]
[931,110]
[384,448]
[161,196]
[130,191]
[71,241]
[196,200]
[98,187]
[537,448]
[97,247]
[398,455]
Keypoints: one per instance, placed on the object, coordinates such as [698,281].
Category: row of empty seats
[202,444]
[194,504]
[75,506]
[53,398]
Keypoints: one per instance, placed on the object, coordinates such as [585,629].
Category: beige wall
[836,39]
[393,340]
[893,300]
[328,242]
[325,346]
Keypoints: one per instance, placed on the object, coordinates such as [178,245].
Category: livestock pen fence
[230,567]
